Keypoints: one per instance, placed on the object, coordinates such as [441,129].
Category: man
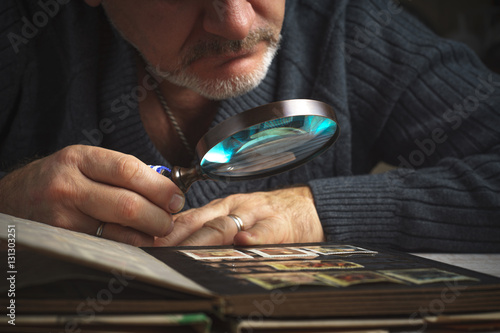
[149,78]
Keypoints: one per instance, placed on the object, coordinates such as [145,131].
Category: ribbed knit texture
[402,95]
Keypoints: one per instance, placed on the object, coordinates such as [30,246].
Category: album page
[325,279]
[98,253]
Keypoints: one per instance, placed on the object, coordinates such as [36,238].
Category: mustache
[216,47]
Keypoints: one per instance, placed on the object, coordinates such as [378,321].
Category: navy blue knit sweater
[402,95]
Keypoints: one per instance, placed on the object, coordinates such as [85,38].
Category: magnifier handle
[182,177]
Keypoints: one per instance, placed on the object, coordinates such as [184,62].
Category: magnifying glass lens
[269,145]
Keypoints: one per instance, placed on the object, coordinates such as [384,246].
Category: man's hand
[280,216]
[79,187]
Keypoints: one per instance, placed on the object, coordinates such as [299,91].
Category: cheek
[271,12]
[155,28]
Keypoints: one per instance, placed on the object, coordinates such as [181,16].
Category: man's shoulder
[326,14]
[7,6]
[325,8]
[339,8]
[38,12]
[10,12]
[304,17]
[30,17]
[22,22]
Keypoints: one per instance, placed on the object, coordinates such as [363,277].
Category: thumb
[263,232]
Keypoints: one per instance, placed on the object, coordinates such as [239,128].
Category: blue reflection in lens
[268,145]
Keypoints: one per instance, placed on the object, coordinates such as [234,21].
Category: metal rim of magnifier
[260,114]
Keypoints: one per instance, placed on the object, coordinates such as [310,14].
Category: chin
[224,83]
[224,79]
[221,89]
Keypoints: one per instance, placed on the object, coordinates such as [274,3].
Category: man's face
[218,48]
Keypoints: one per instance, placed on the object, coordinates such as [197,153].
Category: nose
[230,19]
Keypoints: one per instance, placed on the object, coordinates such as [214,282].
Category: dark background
[473,22]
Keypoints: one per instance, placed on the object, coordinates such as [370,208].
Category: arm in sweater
[429,106]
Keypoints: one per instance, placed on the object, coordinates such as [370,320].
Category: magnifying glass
[260,142]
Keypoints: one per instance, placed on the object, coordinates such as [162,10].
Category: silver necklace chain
[174,122]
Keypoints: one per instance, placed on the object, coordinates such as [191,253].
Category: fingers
[267,231]
[126,235]
[281,216]
[110,231]
[249,208]
[126,192]
[224,231]
[126,171]
[187,223]
[79,186]
[219,231]
[120,206]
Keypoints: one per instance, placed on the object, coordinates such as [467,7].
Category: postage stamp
[337,249]
[282,280]
[313,265]
[208,254]
[426,275]
[282,252]
[350,278]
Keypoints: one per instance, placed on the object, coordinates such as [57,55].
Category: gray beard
[218,89]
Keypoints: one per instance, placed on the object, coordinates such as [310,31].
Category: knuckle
[128,207]
[267,229]
[227,204]
[272,233]
[216,227]
[238,197]
[68,156]
[127,168]
[61,188]
[187,219]
[188,222]
[181,231]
